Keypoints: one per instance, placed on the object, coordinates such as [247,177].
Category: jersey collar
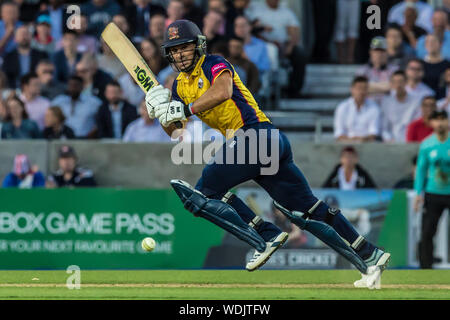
[196,70]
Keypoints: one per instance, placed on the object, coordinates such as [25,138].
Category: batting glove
[156,96]
[170,112]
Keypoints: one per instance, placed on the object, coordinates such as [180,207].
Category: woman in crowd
[17,125]
[54,125]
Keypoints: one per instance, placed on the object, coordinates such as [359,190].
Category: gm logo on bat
[143,78]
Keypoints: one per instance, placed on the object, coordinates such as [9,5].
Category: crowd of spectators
[404,80]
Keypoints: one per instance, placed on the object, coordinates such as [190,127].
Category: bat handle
[178,124]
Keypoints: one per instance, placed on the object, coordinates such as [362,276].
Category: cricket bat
[131,59]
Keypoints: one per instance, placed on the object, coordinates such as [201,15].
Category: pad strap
[256,222]
[358,243]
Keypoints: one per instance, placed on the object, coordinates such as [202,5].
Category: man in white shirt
[35,104]
[414,74]
[424,10]
[398,109]
[357,119]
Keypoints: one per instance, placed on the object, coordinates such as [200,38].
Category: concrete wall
[149,165]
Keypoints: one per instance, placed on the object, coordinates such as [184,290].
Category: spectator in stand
[255,49]
[425,11]
[99,13]
[348,174]
[3,115]
[23,59]
[9,23]
[50,88]
[212,23]
[193,13]
[397,51]
[115,114]
[107,60]
[79,109]
[408,181]
[140,12]
[152,55]
[35,104]
[440,30]
[145,129]
[444,92]
[24,175]
[157,28]
[434,64]
[378,70]
[410,31]
[432,184]
[69,173]
[347,29]
[17,125]
[5,91]
[282,28]
[249,73]
[42,39]
[131,90]
[85,42]
[357,119]
[175,11]
[398,109]
[121,21]
[59,16]
[414,77]
[218,5]
[94,78]
[66,58]
[235,8]
[421,128]
[54,125]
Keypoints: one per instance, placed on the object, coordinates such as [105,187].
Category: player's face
[183,55]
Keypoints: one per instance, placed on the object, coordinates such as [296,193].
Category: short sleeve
[214,66]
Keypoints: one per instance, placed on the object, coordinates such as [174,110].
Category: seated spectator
[414,76]
[24,175]
[357,119]
[407,182]
[440,25]
[132,92]
[50,88]
[410,31]
[3,114]
[282,28]
[255,49]
[193,12]
[248,72]
[69,173]
[54,125]
[17,125]
[115,114]
[378,71]
[99,13]
[140,12]
[421,128]
[5,91]
[23,59]
[212,23]
[66,58]
[346,29]
[425,11]
[94,78]
[152,55]
[121,21]
[9,22]
[444,86]
[175,11]
[35,104]
[107,60]
[59,15]
[85,41]
[79,109]
[145,129]
[397,110]
[158,28]
[42,39]
[434,64]
[397,51]
[348,174]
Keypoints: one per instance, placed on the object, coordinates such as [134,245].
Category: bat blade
[131,59]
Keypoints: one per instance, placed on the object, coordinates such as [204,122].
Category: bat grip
[178,124]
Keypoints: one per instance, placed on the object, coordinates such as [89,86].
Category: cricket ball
[148,244]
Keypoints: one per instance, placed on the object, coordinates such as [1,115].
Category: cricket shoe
[260,258]
[376,265]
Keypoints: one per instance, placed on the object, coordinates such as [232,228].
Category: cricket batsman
[208,87]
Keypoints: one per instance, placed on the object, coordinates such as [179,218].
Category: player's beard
[186,65]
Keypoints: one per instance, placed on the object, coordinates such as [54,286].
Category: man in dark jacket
[140,12]
[115,114]
[348,174]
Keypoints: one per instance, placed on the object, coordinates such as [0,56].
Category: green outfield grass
[223,285]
